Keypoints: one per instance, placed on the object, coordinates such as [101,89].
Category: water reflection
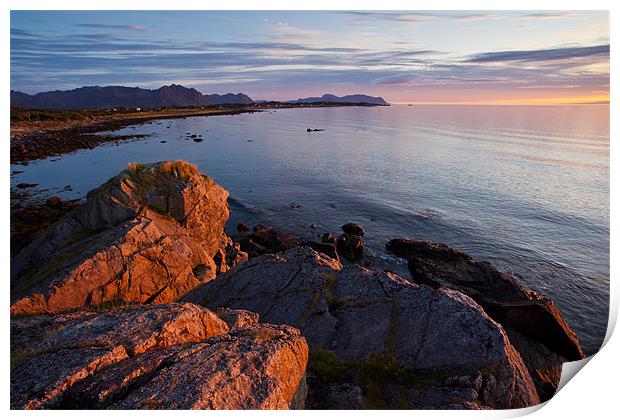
[525,187]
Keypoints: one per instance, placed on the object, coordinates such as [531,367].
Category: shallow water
[524,187]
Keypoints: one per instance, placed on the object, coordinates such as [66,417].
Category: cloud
[285,32]
[546,15]
[46,62]
[541,55]
[359,16]
[134,27]
[480,16]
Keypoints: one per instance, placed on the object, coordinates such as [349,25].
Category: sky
[479,57]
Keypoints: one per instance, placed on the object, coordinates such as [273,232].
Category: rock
[353,229]
[328,238]
[265,240]
[139,328]
[175,356]
[339,396]
[377,320]
[251,248]
[229,255]
[53,201]
[242,227]
[533,323]
[257,368]
[40,381]
[26,222]
[258,227]
[237,318]
[350,246]
[25,185]
[326,248]
[148,235]
[56,352]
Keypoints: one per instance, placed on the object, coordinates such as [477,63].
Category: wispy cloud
[291,54]
[546,15]
[541,55]
[418,16]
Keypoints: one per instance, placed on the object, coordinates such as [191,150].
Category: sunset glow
[473,57]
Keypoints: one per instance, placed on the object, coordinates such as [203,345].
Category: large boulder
[148,235]
[534,324]
[174,356]
[418,335]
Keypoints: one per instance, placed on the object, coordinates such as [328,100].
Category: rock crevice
[175,356]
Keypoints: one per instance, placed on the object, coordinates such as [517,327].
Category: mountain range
[174,95]
[355,99]
[121,96]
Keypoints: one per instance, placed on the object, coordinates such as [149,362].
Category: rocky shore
[38,134]
[36,140]
[138,298]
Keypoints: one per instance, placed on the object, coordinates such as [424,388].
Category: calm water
[524,187]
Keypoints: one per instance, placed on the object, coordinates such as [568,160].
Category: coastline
[58,132]
[285,214]
[515,339]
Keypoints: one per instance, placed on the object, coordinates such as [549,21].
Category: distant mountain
[355,99]
[121,96]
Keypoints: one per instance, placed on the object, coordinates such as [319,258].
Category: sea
[524,187]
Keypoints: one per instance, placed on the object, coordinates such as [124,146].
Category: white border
[592,395]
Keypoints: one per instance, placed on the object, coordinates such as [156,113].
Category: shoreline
[312,286]
[274,219]
[57,132]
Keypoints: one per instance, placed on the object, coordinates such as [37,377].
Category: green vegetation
[133,168]
[262,334]
[175,169]
[60,115]
[109,305]
[328,368]
[179,169]
[391,335]
[333,302]
[373,374]
[20,357]
[314,299]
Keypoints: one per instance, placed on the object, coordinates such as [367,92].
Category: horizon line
[587,100]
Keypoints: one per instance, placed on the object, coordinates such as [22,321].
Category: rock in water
[353,229]
[263,240]
[409,337]
[175,356]
[534,324]
[148,235]
[324,247]
[328,238]
[350,246]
